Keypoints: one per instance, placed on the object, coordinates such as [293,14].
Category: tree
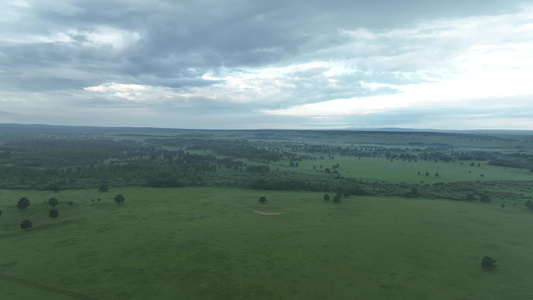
[484,198]
[119,199]
[23,203]
[488,263]
[263,199]
[0,212]
[52,202]
[337,198]
[469,197]
[26,224]
[326,197]
[53,213]
[103,188]
[70,203]
[529,204]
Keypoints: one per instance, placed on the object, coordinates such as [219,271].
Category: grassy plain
[207,243]
[382,169]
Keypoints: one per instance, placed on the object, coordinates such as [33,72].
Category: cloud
[292,62]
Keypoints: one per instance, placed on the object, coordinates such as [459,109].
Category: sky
[250,64]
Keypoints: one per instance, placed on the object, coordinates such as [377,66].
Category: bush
[52,202]
[488,263]
[26,224]
[53,213]
[120,199]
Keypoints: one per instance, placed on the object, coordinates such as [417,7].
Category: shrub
[53,213]
[488,263]
[52,202]
[119,199]
[26,224]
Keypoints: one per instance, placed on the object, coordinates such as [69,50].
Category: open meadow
[410,215]
[208,243]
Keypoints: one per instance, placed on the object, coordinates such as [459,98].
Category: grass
[381,169]
[193,243]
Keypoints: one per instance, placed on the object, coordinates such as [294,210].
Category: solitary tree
[263,199]
[53,213]
[119,199]
[337,198]
[53,202]
[0,212]
[529,204]
[26,224]
[326,197]
[488,263]
[23,203]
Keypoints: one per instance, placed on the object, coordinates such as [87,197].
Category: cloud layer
[277,64]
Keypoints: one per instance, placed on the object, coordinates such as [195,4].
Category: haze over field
[268,64]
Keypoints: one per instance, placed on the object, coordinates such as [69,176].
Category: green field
[207,243]
[378,169]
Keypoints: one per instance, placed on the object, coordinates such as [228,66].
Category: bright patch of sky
[303,64]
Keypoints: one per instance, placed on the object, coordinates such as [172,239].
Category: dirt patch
[265,213]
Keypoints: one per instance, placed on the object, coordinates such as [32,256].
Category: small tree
[53,213]
[23,203]
[529,204]
[337,198]
[119,199]
[26,224]
[0,212]
[484,198]
[70,203]
[53,202]
[326,197]
[104,188]
[488,263]
[263,199]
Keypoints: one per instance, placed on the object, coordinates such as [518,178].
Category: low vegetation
[349,214]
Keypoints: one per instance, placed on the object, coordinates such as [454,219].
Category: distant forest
[58,158]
